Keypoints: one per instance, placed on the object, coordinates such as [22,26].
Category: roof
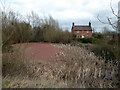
[81,28]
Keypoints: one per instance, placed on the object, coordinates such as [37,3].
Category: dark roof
[81,28]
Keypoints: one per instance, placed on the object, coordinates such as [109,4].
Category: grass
[80,68]
[6,84]
[84,43]
[13,63]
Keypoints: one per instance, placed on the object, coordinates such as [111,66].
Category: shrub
[6,48]
[74,36]
[85,40]
[104,51]
[98,35]
[13,64]
[112,42]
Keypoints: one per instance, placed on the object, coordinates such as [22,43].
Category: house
[82,31]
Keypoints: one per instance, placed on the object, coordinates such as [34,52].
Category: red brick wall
[83,33]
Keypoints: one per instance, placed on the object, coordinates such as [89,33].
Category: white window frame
[87,36]
[87,31]
[77,36]
[78,31]
[83,36]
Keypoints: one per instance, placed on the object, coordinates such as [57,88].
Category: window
[77,36]
[87,31]
[83,36]
[87,36]
[78,31]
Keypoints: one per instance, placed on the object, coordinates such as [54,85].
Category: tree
[109,19]
[115,25]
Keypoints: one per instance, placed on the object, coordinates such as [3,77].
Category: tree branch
[109,21]
[112,9]
[101,20]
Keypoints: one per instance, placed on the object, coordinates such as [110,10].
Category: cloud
[67,11]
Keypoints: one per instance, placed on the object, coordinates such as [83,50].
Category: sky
[68,11]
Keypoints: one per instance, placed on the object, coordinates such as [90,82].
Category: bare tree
[109,19]
[34,19]
[14,28]
[115,25]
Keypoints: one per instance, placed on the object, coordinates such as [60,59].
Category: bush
[6,48]
[13,64]
[104,51]
[98,35]
[112,42]
[74,36]
[85,40]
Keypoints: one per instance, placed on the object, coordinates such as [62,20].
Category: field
[50,65]
[38,52]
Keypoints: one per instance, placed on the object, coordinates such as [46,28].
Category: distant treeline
[18,29]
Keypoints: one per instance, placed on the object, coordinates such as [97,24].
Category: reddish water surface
[38,52]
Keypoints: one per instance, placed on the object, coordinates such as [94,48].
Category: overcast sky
[68,11]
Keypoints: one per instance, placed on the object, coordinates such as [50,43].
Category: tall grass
[75,67]
[82,68]
[14,63]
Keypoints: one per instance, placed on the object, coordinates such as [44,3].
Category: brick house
[82,31]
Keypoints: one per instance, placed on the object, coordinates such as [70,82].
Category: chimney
[90,24]
[73,23]
[72,27]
